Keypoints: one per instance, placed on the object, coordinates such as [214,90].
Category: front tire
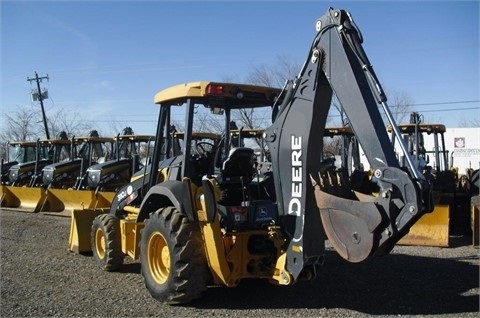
[172,257]
[106,244]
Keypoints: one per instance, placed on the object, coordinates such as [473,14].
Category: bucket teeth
[333,182]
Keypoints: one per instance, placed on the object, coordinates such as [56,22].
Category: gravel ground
[39,277]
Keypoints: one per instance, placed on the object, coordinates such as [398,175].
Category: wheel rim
[100,243]
[158,258]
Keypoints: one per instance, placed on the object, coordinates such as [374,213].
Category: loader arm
[357,227]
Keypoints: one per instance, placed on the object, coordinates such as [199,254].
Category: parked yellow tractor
[193,222]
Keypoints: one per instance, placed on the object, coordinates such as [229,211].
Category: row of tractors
[59,175]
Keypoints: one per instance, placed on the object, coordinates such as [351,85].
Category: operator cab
[85,151]
[238,162]
[17,152]
[129,153]
[48,151]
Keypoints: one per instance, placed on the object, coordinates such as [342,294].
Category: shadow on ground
[395,284]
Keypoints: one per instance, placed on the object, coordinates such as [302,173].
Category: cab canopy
[219,96]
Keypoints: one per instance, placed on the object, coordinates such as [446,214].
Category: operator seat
[239,166]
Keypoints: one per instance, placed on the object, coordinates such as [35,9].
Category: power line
[450,109]
[440,103]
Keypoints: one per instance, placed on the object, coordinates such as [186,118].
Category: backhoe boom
[356,226]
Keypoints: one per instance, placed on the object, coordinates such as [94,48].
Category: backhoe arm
[357,226]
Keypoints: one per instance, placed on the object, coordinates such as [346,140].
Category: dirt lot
[39,277]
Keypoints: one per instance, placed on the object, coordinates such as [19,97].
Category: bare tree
[400,104]
[71,122]
[206,122]
[336,114]
[22,124]
[276,75]
[470,122]
[271,76]
[263,75]
[19,125]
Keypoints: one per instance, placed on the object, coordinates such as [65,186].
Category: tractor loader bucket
[80,227]
[23,199]
[104,199]
[432,229]
[61,202]
[2,193]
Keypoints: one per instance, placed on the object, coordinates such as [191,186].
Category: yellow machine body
[230,260]
[130,233]
[228,254]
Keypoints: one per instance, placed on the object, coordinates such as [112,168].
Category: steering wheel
[204,147]
[328,155]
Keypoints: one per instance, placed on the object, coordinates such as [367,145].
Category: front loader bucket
[24,199]
[104,199]
[62,202]
[432,229]
[2,193]
[80,228]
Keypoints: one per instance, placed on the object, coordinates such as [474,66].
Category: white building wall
[462,144]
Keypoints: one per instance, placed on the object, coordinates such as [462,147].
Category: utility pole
[41,96]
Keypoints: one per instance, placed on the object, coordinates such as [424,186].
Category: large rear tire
[172,257]
[106,243]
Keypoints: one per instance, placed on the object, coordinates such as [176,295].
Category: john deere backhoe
[222,222]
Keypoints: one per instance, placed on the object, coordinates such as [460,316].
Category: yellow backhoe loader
[201,222]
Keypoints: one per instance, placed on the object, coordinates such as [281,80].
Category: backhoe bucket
[24,199]
[62,202]
[80,229]
[432,229]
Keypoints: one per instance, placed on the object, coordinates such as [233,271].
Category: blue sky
[107,59]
